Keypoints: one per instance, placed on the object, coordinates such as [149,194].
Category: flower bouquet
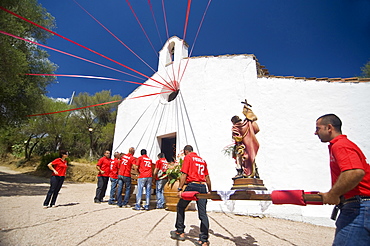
[173,172]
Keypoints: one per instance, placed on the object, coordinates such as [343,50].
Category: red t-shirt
[195,168]
[114,166]
[104,164]
[162,165]
[144,164]
[126,164]
[60,166]
[346,155]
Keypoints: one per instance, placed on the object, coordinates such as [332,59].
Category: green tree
[47,130]
[20,94]
[366,70]
[100,120]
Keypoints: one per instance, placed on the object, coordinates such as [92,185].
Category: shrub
[46,159]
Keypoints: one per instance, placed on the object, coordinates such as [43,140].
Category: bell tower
[173,51]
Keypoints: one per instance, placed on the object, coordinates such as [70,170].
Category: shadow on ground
[248,240]
[22,185]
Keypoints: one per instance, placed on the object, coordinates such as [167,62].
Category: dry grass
[78,172]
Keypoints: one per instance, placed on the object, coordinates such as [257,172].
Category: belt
[357,199]
[197,182]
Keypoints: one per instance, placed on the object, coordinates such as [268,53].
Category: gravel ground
[79,221]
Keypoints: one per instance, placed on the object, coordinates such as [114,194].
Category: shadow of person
[68,204]
[248,240]
[22,185]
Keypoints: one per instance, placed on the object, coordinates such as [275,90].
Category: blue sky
[290,37]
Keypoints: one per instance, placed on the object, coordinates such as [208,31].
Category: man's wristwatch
[179,189]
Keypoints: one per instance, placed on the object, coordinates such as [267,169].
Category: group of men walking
[118,171]
[194,177]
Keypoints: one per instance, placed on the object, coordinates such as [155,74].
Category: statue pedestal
[248,184]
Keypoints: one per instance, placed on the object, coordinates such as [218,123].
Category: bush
[45,160]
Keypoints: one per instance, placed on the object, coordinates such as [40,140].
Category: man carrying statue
[246,144]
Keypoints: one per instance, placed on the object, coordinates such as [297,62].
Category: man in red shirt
[144,166]
[124,177]
[103,166]
[160,168]
[113,177]
[350,189]
[195,176]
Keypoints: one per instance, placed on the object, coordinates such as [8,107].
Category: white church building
[207,91]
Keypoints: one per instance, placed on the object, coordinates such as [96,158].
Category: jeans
[123,180]
[112,190]
[159,185]
[141,183]
[202,212]
[56,183]
[353,224]
[101,188]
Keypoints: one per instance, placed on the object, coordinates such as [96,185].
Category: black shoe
[177,236]
[97,201]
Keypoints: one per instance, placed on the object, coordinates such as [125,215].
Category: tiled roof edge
[342,80]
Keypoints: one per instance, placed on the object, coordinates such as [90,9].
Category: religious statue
[246,144]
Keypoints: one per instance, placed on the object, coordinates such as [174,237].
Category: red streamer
[33,23]
[165,19]
[67,110]
[155,22]
[195,39]
[187,18]
[89,77]
[119,40]
[84,59]
[74,109]
[164,92]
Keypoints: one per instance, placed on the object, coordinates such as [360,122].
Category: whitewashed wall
[290,155]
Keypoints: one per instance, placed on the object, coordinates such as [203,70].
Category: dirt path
[79,221]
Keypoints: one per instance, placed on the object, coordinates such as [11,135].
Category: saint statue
[246,144]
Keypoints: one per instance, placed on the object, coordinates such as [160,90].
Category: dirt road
[79,221]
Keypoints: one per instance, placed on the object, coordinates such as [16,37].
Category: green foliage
[173,172]
[366,70]
[18,150]
[46,159]
[67,130]
[20,93]
[101,119]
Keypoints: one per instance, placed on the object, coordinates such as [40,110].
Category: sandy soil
[79,221]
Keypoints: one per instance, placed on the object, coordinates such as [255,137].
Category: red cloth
[144,164]
[195,168]
[60,166]
[288,197]
[104,164]
[346,155]
[162,165]
[114,166]
[126,164]
[190,195]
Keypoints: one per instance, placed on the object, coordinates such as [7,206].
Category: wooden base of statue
[170,195]
[248,184]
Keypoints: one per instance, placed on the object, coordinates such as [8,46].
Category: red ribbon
[33,23]
[74,108]
[187,19]
[90,77]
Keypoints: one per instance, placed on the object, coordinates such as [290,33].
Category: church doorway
[168,146]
